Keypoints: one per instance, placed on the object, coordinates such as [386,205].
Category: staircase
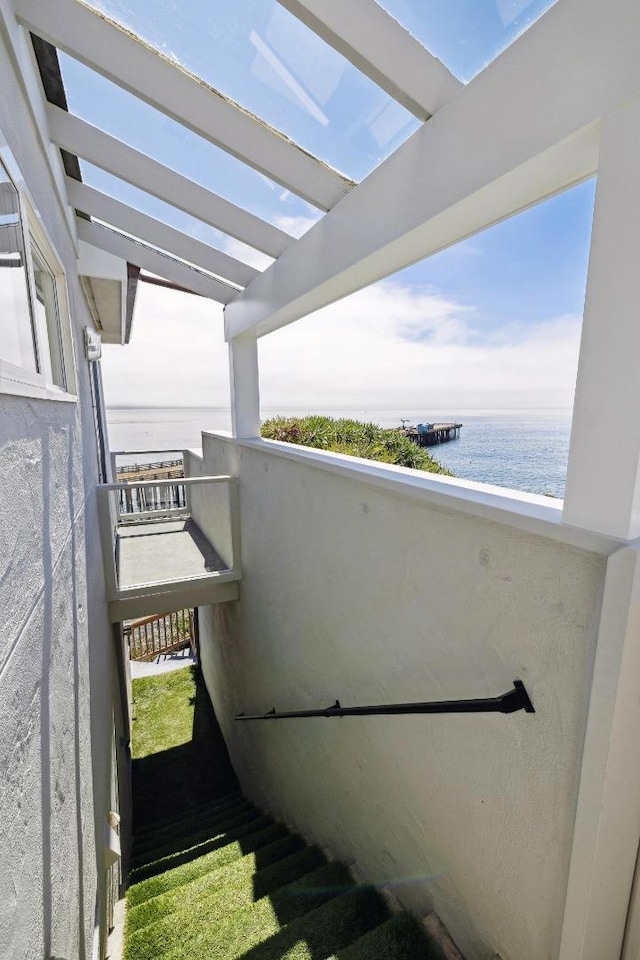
[213,877]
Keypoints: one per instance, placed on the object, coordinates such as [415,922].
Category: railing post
[108,538]
[603,476]
[185,487]
[234,520]
[193,633]
[245,387]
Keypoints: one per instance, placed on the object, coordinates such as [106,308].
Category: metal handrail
[176,481]
[511,702]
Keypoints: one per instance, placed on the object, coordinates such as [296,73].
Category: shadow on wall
[51,776]
[173,781]
[76,701]
[45,702]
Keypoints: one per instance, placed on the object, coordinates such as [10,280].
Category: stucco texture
[56,648]
[356,593]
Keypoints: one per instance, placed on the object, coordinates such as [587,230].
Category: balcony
[157,557]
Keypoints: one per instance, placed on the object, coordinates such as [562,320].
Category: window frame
[15,379]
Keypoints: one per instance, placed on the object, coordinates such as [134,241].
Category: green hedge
[353,438]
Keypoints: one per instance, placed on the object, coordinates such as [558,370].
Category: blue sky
[499,290]
[521,271]
[122,115]
[466,34]
[261,56]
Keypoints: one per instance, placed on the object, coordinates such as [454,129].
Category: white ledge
[531,512]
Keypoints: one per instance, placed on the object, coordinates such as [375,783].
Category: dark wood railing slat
[150,637]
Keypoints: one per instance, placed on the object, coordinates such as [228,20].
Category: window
[17,343]
[47,319]
[36,352]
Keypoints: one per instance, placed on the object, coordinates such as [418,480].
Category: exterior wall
[57,651]
[210,507]
[375,594]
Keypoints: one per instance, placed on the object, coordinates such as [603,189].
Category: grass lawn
[213,877]
[164,709]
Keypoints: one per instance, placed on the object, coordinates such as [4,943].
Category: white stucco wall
[369,594]
[57,653]
[210,507]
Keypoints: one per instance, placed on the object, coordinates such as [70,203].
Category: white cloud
[297,226]
[177,353]
[249,255]
[385,347]
[388,346]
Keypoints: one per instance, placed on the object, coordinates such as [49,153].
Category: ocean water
[522,449]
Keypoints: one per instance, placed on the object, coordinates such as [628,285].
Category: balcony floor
[156,551]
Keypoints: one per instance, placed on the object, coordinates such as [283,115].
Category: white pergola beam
[97,204]
[117,54]
[20,50]
[523,129]
[597,918]
[104,151]
[154,261]
[603,476]
[375,43]
[244,380]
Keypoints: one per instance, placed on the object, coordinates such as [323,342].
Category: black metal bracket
[511,702]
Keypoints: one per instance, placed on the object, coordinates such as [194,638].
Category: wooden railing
[158,470]
[151,637]
[151,499]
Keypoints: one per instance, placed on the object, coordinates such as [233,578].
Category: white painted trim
[184,481]
[38,237]
[375,43]
[147,589]
[156,262]
[168,601]
[603,488]
[607,824]
[236,530]
[492,150]
[103,45]
[14,379]
[117,214]
[19,382]
[244,384]
[110,521]
[20,51]
[107,524]
[524,511]
[98,263]
[92,144]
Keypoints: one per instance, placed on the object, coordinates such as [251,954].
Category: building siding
[57,652]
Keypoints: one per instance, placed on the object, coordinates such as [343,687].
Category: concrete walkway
[164,551]
[162,664]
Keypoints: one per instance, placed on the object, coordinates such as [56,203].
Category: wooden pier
[162,470]
[431,434]
[143,500]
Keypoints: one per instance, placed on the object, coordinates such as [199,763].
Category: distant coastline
[525,449]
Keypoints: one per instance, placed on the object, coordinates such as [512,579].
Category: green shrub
[354,438]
